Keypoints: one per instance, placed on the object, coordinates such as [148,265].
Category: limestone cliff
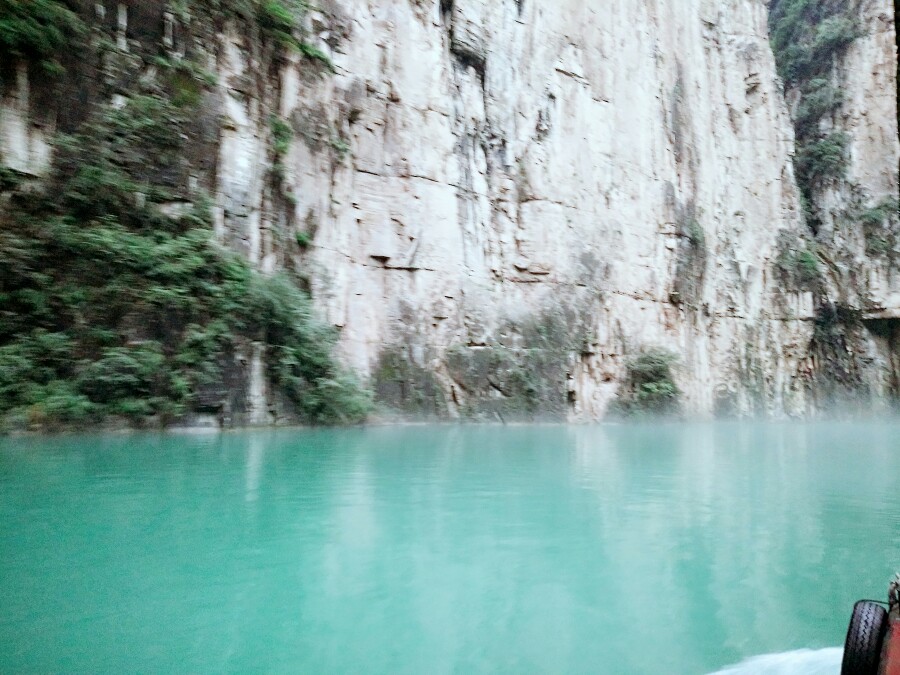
[849,102]
[502,203]
[611,177]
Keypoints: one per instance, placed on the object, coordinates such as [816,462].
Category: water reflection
[255,451]
[668,548]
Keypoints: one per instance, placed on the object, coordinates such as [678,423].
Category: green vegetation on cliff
[278,19]
[38,31]
[649,388]
[808,37]
[879,225]
[115,298]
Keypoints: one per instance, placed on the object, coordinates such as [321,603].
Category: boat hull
[890,662]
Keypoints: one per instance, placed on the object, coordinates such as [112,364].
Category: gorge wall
[503,204]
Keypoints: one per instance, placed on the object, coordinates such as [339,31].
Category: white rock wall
[24,138]
[508,157]
[867,77]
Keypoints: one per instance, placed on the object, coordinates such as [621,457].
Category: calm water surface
[663,549]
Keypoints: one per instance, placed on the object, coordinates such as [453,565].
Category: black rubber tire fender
[862,648]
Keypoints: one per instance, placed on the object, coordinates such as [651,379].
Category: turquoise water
[660,549]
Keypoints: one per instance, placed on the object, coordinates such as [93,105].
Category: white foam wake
[799,662]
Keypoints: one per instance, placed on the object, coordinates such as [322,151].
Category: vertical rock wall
[501,202]
[853,350]
[616,177]
[25,136]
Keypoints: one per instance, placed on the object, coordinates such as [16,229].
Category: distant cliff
[501,209]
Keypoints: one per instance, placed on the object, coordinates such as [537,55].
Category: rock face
[567,184]
[861,257]
[25,142]
[500,203]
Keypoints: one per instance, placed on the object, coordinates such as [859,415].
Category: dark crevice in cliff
[888,331]
[837,377]
[463,56]
[466,60]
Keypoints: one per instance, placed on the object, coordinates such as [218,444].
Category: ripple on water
[798,662]
[446,549]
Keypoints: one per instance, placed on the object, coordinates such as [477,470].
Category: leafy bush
[807,37]
[876,216]
[36,360]
[185,79]
[39,31]
[279,19]
[340,146]
[10,179]
[60,404]
[314,53]
[649,387]
[651,366]
[108,306]
[798,264]
[879,224]
[819,99]
[124,373]
[282,135]
[824,159]
[695,233]
[878,244]
[300,353]
[807,265]
[833,35]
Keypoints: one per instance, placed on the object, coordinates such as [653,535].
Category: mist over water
[663,548]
